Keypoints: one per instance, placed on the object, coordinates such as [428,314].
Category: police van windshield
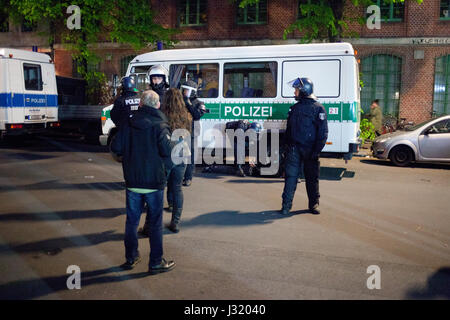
[139,73]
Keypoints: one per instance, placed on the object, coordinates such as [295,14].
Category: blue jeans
[135,202]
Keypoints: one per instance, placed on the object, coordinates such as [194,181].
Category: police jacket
[307,125]
[160,90]
[144,144]
[195,107]
[124,106]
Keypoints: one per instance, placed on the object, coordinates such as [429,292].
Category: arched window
[124,62]
[381,75]
[441,99]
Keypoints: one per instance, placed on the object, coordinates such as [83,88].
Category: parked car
[426,142]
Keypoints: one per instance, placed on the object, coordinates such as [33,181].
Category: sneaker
[164,266]
[173,227]
[128,265]
[284,211]
[314,209]
[187,183]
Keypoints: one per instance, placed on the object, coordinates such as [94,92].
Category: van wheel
[401,156]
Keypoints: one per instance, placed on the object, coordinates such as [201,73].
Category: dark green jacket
[376,117]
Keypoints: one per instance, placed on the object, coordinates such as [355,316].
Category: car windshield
[417,126]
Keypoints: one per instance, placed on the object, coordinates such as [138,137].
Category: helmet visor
[296,83]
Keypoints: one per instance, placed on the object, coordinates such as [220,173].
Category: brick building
[405,64]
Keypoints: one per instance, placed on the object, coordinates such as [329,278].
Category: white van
[250,83]
[28,94]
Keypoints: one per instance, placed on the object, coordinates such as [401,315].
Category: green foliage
[367,129]
[119,21]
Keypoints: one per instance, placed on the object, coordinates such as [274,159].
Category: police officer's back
[306,135]
[126,103]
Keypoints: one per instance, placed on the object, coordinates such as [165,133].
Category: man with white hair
[144,144]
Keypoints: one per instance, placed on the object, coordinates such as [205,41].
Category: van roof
[289,50]
[24,55]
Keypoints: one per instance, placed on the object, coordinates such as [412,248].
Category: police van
[251,83]
[28,93]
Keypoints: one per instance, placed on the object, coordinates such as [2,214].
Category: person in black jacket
[197,109]
[126,103]
[144,145]
[306,135]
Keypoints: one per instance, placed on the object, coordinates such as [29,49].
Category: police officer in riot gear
[197,109]
[306,135]
[126,103]
[159,80]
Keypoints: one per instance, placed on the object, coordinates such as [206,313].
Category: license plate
[35,117]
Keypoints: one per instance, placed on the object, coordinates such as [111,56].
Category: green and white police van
[251,83]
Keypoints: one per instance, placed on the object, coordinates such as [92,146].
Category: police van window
[32,76]
[250,80]
[205,75]
[139,73]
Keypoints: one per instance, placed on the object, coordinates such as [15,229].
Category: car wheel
[401,156]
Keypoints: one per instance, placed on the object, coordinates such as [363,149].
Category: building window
[192,12]
[445,10]
[381,75]
[205,75]
[441,99]
[91,67]
[32,76]
[391,11]
[124,62]
[253,14]
[252,79]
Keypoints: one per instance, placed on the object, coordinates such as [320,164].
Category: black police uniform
[306,135]
[197,109]
[124,106]
[160,89]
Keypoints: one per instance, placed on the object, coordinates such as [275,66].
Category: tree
[325,19]
[120,21]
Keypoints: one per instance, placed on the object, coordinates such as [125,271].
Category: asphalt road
[62,203]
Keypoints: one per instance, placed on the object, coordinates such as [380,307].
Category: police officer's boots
[173,226]
[314,209]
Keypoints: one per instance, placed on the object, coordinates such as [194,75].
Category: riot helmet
[305,86]
[158,71]
[191,86]
[128,84]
